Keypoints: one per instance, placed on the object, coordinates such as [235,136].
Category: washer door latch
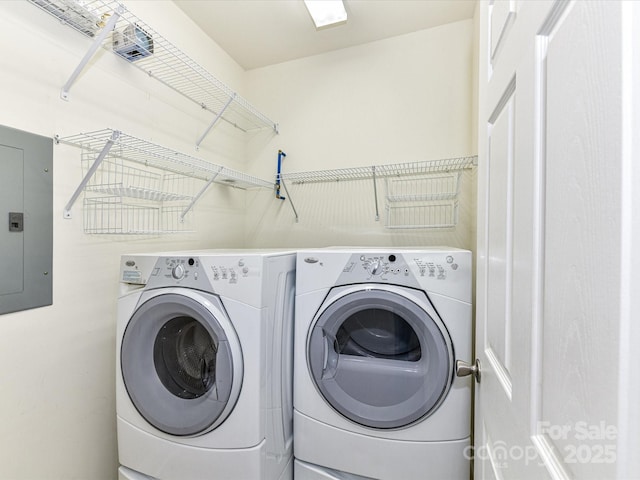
[464,369]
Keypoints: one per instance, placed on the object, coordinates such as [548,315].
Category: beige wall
[399,100]
[404,99]
[57,377]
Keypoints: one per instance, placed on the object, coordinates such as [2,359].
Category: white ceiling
[256,33]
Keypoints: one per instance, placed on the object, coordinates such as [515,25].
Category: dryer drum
[378,333]
[380,359]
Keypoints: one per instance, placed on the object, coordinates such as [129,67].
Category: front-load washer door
[379,358]
[181,362]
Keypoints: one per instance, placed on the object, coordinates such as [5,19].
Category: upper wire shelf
[111,25]
[382,171]
[130,148]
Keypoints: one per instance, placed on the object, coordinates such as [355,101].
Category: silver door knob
[464,369]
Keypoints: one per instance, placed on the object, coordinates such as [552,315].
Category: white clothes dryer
[377,336]
[204,365]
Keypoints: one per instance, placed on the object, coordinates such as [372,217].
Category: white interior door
[551,313]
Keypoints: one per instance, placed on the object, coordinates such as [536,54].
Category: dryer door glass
[379,359]
[177,365]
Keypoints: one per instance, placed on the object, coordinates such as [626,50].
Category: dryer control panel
[412,269]
[387,267]
[437,268]
[446,271]
[379,265]
[394,265]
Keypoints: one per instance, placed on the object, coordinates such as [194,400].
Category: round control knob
[178,272]
[375,268]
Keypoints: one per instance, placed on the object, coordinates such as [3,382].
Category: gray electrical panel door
[26,220]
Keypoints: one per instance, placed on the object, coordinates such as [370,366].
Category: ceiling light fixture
[326,13]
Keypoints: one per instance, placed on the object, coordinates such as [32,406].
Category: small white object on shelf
[132,43]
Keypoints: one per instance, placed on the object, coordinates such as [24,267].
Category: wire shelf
[422,215]
[136,187]
[113,216]
[142,152]
[423,187]
[382,171]
[116,177]
[143,47]
[419,194]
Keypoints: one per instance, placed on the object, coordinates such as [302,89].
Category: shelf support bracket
[97,41]
[375,192]
[215,120]
[197,196]
[96,163]
[295,212]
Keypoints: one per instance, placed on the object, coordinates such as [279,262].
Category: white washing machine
[377,336]
[204,367]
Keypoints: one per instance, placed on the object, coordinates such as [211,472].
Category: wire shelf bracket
[375,192]
[109,24]
[197,197]
[92,170]
[293,207]
[215,120]
[97,42]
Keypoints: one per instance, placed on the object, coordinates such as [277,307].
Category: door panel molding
[501,143]
[578,375]
[500,372]
[548,454]
[503,13]
[504,99]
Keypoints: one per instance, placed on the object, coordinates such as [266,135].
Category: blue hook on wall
[281,155]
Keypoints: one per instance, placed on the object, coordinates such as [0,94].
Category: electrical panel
[26,220]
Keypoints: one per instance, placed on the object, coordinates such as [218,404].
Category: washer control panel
[186,271]
[178,269]
[231,271]
[189,269]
